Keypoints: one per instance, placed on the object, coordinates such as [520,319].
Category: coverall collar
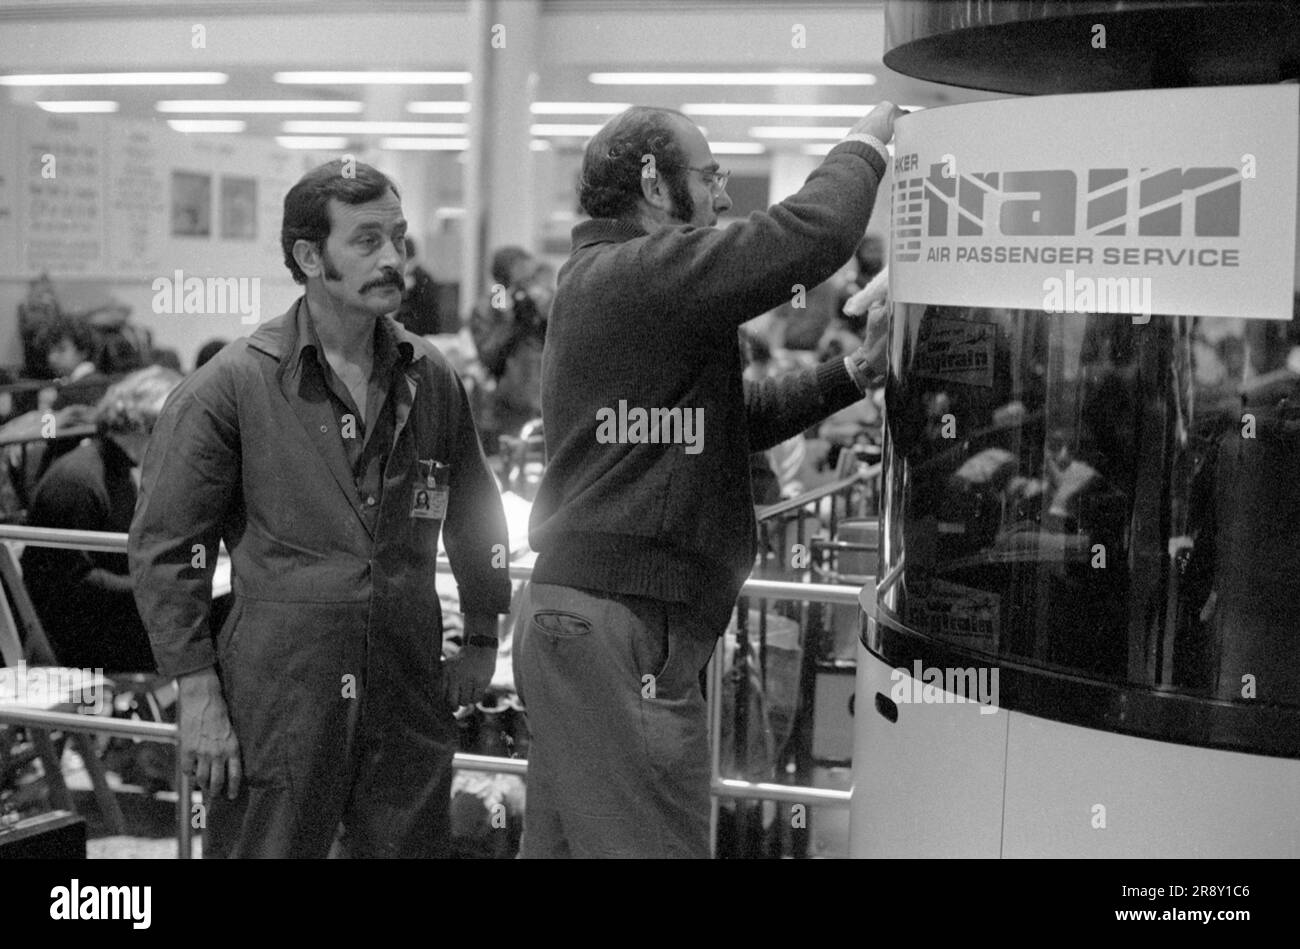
[284,339]
[287,338]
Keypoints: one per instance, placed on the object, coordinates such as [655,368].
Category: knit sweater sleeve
[726,275]
[777,409]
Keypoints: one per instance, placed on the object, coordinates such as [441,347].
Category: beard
[683,203]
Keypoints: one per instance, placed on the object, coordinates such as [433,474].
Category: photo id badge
[429,496]
[430,503]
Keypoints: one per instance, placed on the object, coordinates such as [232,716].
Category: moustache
[392,279]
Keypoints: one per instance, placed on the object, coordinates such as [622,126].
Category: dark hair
[611,168]
[117,355]
[504,260]
[306,206]
[67,327]
[208,350]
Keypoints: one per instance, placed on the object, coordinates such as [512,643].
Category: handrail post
[184,797]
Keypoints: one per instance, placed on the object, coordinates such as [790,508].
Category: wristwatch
[860,372]
[489,641]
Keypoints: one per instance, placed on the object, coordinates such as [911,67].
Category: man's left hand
[466,675]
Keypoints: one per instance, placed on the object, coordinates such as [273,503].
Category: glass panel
[1094,496]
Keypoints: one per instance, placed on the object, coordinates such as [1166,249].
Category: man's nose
[722,203]
[393,257]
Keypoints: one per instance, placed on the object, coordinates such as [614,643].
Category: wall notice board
[103,197]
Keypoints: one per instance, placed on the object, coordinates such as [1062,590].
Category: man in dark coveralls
[324,699]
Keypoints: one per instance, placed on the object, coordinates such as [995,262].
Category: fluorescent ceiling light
[207,125]
[776,109]
[798,131]
[325,143]
[345,127]
[374,77]
[117,79]
[71,105]
[736,148]
[731,79]
[579,108]
[334,107]
[438,108]
[559,128]
[425,144]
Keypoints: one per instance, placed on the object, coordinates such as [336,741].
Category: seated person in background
[122,346]
[83,598]
[69,349]
[419,309]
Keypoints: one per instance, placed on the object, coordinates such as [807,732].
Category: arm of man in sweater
[716,279]
[783,407]
[777,409]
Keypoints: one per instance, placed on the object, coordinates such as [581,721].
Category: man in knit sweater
[644,520]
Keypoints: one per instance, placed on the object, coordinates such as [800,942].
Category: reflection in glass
[1100,497]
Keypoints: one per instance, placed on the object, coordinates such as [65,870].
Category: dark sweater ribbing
[652,319]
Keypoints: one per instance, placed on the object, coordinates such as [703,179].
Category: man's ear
[308,256]
[655,192]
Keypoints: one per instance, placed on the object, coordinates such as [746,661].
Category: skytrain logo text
[1172,202]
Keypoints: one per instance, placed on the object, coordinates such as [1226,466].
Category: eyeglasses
[716,180]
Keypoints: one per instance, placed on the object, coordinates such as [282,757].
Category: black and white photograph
[700,430]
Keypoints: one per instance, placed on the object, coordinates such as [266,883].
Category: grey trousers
[619,760]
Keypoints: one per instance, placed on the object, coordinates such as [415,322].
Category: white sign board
[1170,201]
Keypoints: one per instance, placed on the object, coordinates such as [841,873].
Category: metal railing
[720,787]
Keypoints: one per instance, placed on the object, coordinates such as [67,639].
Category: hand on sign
[879,122]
